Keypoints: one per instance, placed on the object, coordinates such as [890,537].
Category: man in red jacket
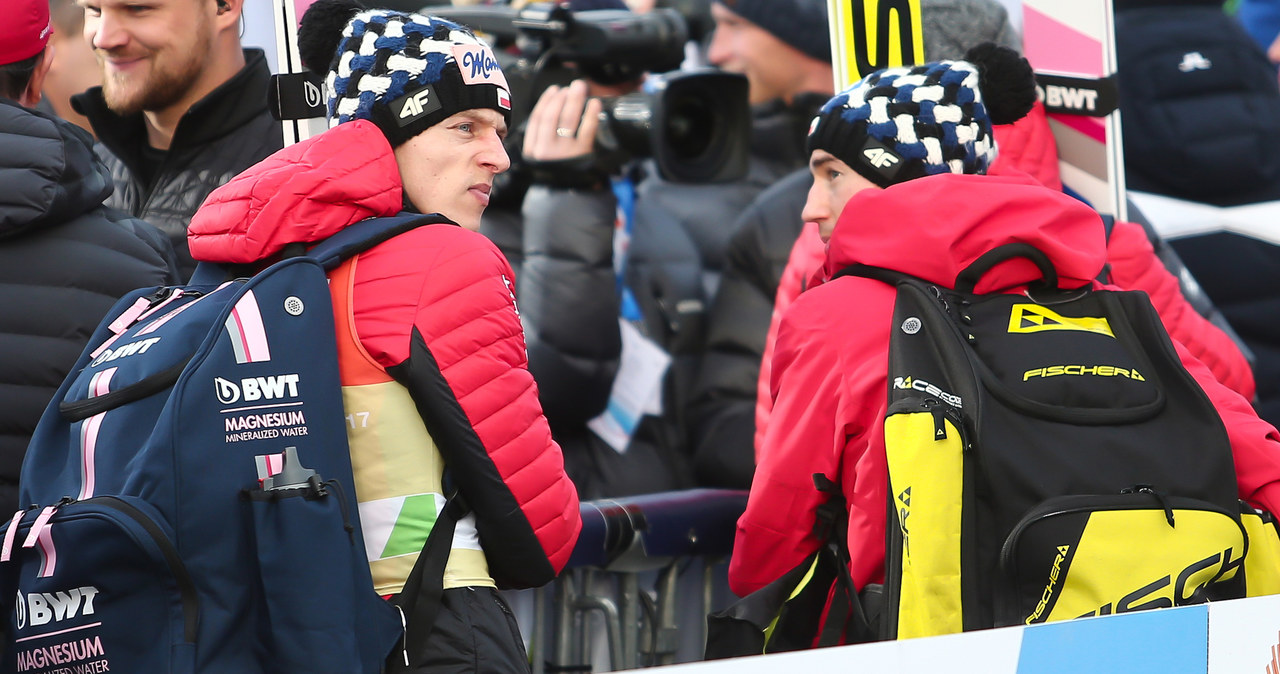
[902,184]
[431,350]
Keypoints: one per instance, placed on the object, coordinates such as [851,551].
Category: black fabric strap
[83,409]
[423,591]
[846,622]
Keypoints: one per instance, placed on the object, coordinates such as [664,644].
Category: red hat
[24,31]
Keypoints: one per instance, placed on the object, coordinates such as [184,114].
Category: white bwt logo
[312,93]
[253,389]
[42,608]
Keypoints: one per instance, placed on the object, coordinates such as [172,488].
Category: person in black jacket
[64,257]
[182,108]
[624,264]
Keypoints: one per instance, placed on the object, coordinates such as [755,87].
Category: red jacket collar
[303,193]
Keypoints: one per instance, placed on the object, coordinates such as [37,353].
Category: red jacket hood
[303,193]
[937,226]
[1028,145]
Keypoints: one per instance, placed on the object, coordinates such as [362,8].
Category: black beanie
[799,23]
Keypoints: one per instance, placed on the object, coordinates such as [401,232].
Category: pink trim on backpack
[248,334]
[48,553]
[165,319]
[7,551]
[100,384]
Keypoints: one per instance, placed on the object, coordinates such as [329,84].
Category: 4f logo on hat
[878,156]
[415,104]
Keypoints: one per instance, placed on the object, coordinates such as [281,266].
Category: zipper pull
[939,422]
[1164,502]
[404,636]
[6,552]
[42,521]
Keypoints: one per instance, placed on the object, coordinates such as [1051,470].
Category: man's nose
[105,31]
[494,156]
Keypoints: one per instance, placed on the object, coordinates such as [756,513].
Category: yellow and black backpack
[1050,458]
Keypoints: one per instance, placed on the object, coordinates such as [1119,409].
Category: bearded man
[182,107]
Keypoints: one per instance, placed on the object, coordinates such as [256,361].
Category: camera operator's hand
[562,125]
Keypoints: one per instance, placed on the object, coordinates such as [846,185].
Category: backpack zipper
[186,586]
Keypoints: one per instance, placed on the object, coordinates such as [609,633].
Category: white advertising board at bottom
[1244,636]
[1231,637]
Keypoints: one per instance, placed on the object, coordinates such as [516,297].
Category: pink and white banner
[1071,45]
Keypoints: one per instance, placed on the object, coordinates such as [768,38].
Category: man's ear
[31,97]
[228,13]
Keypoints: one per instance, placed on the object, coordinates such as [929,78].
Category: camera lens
[690,127]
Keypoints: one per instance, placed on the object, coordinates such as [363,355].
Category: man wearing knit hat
[900,165]
[432,352]
[64,257]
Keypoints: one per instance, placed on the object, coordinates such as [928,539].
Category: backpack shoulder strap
[1108,224]
[883,274]
[366,234]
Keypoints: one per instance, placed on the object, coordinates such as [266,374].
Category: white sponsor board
[1244,636]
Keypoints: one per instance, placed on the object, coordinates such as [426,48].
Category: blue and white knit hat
[904,123]
[404,72]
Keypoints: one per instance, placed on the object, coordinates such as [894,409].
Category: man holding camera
[622,259]
[182,108]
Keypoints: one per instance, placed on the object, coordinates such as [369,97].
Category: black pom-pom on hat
[1007,82]
[320,32]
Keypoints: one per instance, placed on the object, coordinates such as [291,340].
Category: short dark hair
[14,77]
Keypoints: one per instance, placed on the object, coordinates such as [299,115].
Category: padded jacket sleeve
[1135,266]
[724,397]
[806,257]
[1255,444]
[569,300]
[438,311]
[829,390]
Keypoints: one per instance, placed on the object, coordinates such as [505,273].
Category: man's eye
[465,127]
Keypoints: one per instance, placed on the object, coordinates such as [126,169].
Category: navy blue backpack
[192,500]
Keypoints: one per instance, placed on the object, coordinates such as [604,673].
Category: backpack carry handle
[968,279]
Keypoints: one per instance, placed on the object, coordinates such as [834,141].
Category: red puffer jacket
[829,369]
[1028,146]
[434,304]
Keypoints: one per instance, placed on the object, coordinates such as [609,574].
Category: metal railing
[626,544]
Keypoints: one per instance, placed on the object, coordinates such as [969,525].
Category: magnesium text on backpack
[193,508]
[1049,458]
